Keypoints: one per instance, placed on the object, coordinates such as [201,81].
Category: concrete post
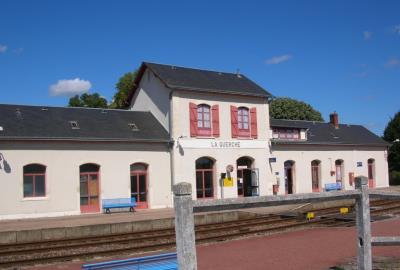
[184,227]
[363,221]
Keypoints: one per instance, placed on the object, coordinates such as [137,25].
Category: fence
[185,207]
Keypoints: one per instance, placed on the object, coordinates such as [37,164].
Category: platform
[52,228]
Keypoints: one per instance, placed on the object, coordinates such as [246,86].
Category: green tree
[288,108]
[88,100]
[392,136]
[124,86]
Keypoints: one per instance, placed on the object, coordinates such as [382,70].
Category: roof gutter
[326,143]
[84,140]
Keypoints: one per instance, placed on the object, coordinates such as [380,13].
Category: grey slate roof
[191,79]
[326,133]
[23,122]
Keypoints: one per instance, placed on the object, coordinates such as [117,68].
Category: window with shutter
[215,120]
[234,122]
[193,119]
[243,122]
[203,120]
[253,119]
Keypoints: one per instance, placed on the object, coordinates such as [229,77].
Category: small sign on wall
[228,182]
[272,160]
[359,164]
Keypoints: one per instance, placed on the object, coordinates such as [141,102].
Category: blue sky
[335,55]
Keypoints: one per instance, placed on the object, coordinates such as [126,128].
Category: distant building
[211,129]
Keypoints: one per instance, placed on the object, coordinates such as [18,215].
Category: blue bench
[119,203]
[333,186]
[166,261]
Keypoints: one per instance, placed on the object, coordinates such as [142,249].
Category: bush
[394,178]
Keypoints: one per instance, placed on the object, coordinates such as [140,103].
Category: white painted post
[363,221]
[184,227]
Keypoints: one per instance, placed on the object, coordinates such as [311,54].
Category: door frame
[137,173]
[371,166]
[318,168]
[291,168]
[243,184]
[202,171]
[340,167]
[88,208]
[250,168]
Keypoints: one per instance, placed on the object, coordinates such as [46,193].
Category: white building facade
[211,129]
[218,134]
[65,161]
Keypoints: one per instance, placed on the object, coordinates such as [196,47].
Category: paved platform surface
[94,219]
[85,219]
[139,215]
[312,249]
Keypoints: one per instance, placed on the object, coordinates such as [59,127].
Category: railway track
[33,253]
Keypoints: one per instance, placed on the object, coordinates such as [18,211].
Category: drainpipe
[171,145]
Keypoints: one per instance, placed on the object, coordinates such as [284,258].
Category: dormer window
[133,126]
[74,124]
[286,134]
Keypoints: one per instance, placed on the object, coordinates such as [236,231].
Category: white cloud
[18,50]
[392,62]
[69,87]
[3,48]
[397,29]
[278,59]
[362,74]
[367,35]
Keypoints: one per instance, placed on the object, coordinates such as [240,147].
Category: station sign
[221,144]
[228,182]
[225,144]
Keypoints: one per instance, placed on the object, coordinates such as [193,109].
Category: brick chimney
[334,119]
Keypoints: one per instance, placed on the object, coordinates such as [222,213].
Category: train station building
[211,129]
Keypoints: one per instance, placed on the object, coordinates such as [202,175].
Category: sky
[341,56]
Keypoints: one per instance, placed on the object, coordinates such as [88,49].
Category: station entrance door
[247,178]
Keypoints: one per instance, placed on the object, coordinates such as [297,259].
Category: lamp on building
[1,159]
[4,165]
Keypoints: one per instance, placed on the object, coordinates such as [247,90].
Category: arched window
[339,171]
[89,167]
[243,119]
[34,180]
[371,172]
[315,175]
[139,184]
[203,116]
[204,120]
[204,178]
[89,181]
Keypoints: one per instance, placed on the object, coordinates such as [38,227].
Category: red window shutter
[193,119]
[234,121]
[253,125]
[215,120]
